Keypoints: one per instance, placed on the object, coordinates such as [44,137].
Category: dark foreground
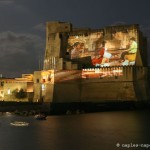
[27,108]
[91,131]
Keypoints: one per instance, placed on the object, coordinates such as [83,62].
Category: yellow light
[8,91]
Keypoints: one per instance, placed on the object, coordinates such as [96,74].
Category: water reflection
[83,132]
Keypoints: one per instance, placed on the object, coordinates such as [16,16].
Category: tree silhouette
[20,94]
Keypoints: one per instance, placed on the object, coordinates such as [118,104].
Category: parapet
[57,27]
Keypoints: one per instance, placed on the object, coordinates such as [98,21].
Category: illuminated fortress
[92,66]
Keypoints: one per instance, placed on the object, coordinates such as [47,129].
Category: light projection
[115,48]
[102,72]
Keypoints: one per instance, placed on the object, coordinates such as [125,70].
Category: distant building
[10,87]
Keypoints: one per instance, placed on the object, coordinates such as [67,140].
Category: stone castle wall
[131,86]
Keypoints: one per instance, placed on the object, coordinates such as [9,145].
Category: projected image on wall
[84,45]
[123,48]
[117,48]
[102,72]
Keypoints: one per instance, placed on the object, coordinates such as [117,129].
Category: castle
[92,65]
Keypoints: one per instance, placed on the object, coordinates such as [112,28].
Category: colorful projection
[115,48]
[102,72]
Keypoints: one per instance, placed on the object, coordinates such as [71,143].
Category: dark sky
[22,25]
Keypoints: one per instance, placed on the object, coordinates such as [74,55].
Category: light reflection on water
[93,131]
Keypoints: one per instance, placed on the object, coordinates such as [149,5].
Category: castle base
[86,107]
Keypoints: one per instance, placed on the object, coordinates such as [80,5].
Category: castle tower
[56,39]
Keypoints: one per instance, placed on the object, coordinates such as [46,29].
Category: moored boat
[40,117]
[19,123]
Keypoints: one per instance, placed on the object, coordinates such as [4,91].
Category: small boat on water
[40,117]
[19,123]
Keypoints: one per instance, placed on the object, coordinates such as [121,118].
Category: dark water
[95,131]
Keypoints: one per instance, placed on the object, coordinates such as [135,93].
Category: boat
[19,123]
[40,117]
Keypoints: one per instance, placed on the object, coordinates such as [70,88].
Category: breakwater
[23,107]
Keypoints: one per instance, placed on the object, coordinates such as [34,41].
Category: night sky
[22,25]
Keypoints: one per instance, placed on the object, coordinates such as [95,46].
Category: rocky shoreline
[23,108]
